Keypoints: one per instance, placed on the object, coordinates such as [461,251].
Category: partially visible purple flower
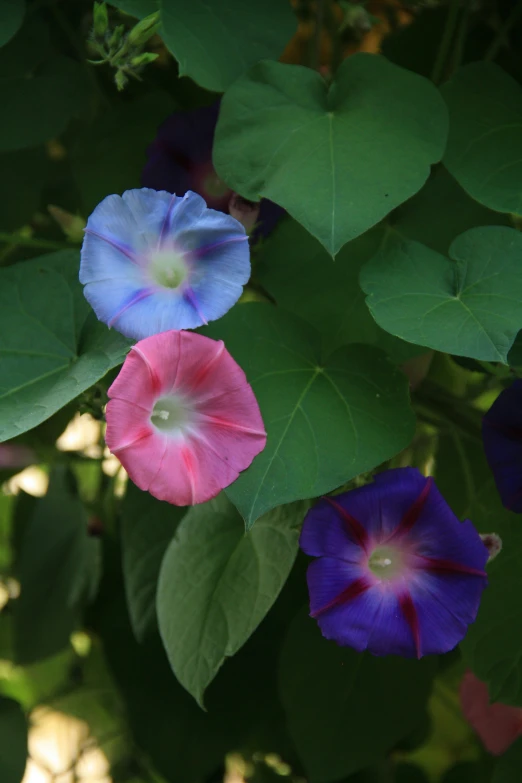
[396,572]
[502,437]
[152,261]
[180,159]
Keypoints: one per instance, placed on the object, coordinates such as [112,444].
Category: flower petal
[324,532]
[123,237]
[502,436]
[112,300]
[349,622]
[127,425]
[223,432]
[136,382]
[189,475]
[446,604]
[163,311]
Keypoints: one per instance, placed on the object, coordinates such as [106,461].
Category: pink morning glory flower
[182,418]
[153,261]
[396,572]
[498,725]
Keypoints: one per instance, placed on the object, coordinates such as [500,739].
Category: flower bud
[71,225]
[100,18]
[116,37]
[140,33]
[493,544]
[120,80]
[143,59]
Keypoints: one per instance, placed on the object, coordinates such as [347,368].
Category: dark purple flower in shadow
[502,437]
[180,159]
[396,572]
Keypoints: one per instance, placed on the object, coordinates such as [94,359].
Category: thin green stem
[447,39]
[43,244]
[501,36]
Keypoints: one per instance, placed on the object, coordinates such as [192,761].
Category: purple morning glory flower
[502,437]
[180,159]
[152,261]
[396,572]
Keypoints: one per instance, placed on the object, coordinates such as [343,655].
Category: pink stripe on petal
[162,353]
[207,367]
[353,527]
[135,382]
[232,425]
[440,565]
[127,424]
[156,383]
[414,511]
[410,615]
[354,590]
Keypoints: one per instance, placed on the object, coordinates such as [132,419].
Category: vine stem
[43,244]
[500,37]
[447,39]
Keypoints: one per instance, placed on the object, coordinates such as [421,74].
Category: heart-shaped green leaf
[483,152]
[346,709]
[51,347]
[298,272]
[147,527]
[218,582]
[327,420]
[469,304]
[214,43]
[338,158]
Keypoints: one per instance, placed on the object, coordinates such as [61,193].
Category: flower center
[386,562]
[168,268]
[171,415]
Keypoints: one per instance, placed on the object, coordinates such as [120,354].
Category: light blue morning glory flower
[153,261]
